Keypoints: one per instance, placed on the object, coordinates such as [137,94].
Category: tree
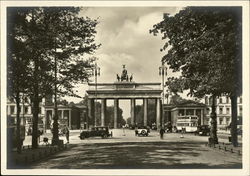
[204,43]
[17,66]
[44,31]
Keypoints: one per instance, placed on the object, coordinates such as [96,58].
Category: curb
[43,153]
[224,148]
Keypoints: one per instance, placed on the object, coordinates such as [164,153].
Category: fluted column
[145,114]
[132,111]
[103,113]
[158,113]
[116,105]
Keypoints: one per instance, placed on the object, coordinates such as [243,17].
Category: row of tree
[205,45]
[48,52]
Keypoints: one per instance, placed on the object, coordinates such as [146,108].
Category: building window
[240,111]
[208,110]
[220,100]
[240,100]
[12,109]
[198,112]
[26,108]
[221,110]
[228,110]
[181,112]
[220,121]
[210,100]
[60,114]
[227,100]
[228,121]
[206,100]
[66,114]
[190,112]
[26,100]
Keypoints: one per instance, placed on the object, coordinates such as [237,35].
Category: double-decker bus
[187,123]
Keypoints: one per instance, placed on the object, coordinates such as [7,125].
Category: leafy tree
[45,31]
[176,99]
[17,66]
[204,43]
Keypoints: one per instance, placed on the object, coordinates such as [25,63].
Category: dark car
[101,131]
[203,130]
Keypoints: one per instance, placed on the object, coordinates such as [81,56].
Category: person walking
[162,131]
[67,134]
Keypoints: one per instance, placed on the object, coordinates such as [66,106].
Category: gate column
[158,113]
[145,105]
[90,112]
[132,111]
[116,105]
[103,113]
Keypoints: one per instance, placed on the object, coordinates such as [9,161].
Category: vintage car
[203,130]
[142,131]
[101,131]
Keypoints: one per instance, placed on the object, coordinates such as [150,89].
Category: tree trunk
[55,139]
[213,133]
[35,108]
[234,137]
[18,135]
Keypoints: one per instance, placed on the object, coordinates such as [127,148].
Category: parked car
[101,131]
[203,130]
[142,131]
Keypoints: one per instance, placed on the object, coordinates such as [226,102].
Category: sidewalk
[29,155]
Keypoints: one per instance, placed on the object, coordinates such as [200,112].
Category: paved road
[125,150]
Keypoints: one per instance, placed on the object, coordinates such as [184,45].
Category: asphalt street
[127,151]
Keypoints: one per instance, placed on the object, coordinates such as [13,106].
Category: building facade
[72,115]
[173,112]
[26,115]
[223,110]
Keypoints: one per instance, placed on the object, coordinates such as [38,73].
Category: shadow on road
[138,155]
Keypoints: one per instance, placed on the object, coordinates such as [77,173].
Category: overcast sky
[125,38]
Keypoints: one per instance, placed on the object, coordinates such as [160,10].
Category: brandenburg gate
[124,88]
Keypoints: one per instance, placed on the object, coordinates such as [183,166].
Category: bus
[187,123]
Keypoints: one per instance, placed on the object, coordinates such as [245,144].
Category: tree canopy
[204,44]
[53,47]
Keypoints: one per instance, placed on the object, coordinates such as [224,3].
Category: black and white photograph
[125,88]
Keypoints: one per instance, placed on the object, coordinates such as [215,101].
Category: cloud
[124,35]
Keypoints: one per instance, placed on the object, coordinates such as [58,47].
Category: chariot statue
[124,75]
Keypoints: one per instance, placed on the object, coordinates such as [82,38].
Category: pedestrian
[162,131]
[67,134]
[38,136]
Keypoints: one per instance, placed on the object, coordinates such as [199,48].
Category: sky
[125,39]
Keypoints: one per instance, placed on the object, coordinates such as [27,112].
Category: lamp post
[162,73]
[96,73]
[55,138]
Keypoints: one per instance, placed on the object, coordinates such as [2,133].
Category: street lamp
[55,138]
[96,73]
[162,73]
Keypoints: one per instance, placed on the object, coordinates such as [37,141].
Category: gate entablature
[124,90]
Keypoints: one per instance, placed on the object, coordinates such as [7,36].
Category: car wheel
[143,132]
